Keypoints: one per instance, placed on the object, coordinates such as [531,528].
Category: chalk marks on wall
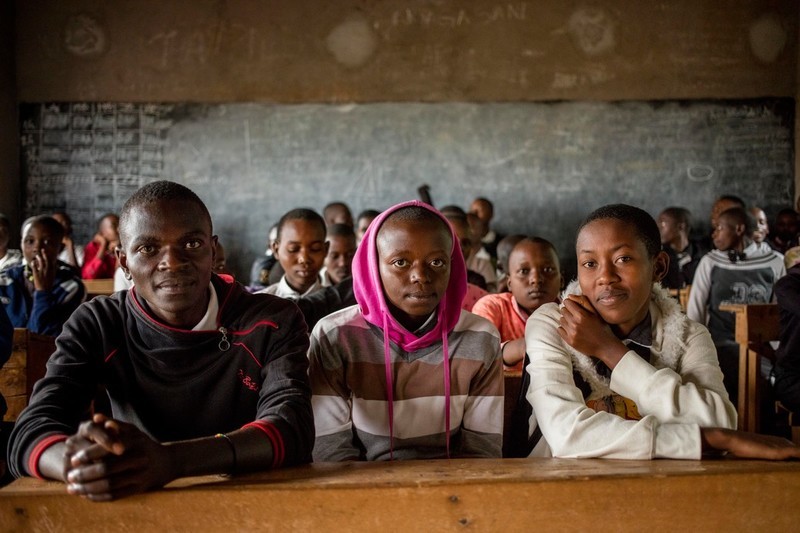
[84,36]
[592,31]
[353,42]
[768,37]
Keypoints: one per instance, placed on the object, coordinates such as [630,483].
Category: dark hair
[160,191]
[105,216]
[740,217]
[534,240]
[49,223]
[731,198]
[368,213]
[504,248]
[341,230]
[413,213]
[786,211]
[451,211]
[681,215]
[302,213]
[4,221]
[638,219]
[335,205]
[485,201]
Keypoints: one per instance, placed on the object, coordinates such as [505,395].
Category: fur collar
[670,326]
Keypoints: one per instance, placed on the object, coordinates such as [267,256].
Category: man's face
[168,250]
[339,260]
[414,266]
[727,235]
[762,227]
[668,227]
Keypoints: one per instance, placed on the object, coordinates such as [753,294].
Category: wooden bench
[443,495]
[682,295]
[25,367]
[756,326]
[97,287]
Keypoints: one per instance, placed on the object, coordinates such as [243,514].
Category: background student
[737,271]
[301,249]
[534,279]
[618,371]
[99,259]
[383,386]
[341,248]
[202,376]
[41,294]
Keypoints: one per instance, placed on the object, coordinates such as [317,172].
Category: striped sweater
[350,400]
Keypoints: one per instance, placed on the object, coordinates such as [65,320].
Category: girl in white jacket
[618,370]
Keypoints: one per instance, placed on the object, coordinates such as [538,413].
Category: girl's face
[414,266]
[301,250]
[616,273]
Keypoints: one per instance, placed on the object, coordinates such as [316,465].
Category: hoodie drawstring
[387,358]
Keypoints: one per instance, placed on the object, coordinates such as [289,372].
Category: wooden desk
[96,287]
[475,494]
[756,326]
[26,366]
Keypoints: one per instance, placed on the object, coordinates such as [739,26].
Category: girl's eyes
[588,264]
[400,263]
[146,249]
[438,263]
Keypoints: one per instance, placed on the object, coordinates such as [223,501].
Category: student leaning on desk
[202,376]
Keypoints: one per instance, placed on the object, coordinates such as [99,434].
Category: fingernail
[81,456]
[73,488]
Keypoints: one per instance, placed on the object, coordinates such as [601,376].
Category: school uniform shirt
[652,405]
[64,256]
[382,392]
[503,311]
[720,280]
[284,290]
[98,267]
[11,259]
[246,365]
[43,312]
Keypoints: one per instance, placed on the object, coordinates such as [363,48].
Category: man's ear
[275,245]
[214,241]
[122,260]
[660,265]
[740,228]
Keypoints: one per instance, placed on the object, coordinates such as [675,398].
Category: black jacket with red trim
[177,384]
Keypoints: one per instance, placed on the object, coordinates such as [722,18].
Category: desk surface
[508,494]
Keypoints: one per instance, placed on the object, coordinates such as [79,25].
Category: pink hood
[368,291]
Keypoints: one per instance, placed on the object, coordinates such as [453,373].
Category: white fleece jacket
[680,391]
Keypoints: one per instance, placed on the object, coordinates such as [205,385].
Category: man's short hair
[681,215]
[341,230]
[159,191]
[639,219]
[740,217]
[302,213]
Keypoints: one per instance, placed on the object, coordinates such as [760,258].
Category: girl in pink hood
[382,388]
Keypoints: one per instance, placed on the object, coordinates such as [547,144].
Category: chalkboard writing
[545,165]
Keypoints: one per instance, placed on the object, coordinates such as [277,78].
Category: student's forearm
[241,451]
[513,351]
[51,462]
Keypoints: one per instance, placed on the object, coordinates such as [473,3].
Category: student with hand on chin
[618,371]
[202,377]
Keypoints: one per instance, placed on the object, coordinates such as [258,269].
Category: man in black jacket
[202,377]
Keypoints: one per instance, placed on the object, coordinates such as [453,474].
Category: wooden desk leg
[753,392]
[743,389]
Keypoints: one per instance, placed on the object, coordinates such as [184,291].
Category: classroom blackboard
[545,165]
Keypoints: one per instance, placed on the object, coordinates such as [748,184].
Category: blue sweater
[44,312]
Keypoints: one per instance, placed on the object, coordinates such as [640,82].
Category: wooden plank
[26,366]
[484,495]
[96,287]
